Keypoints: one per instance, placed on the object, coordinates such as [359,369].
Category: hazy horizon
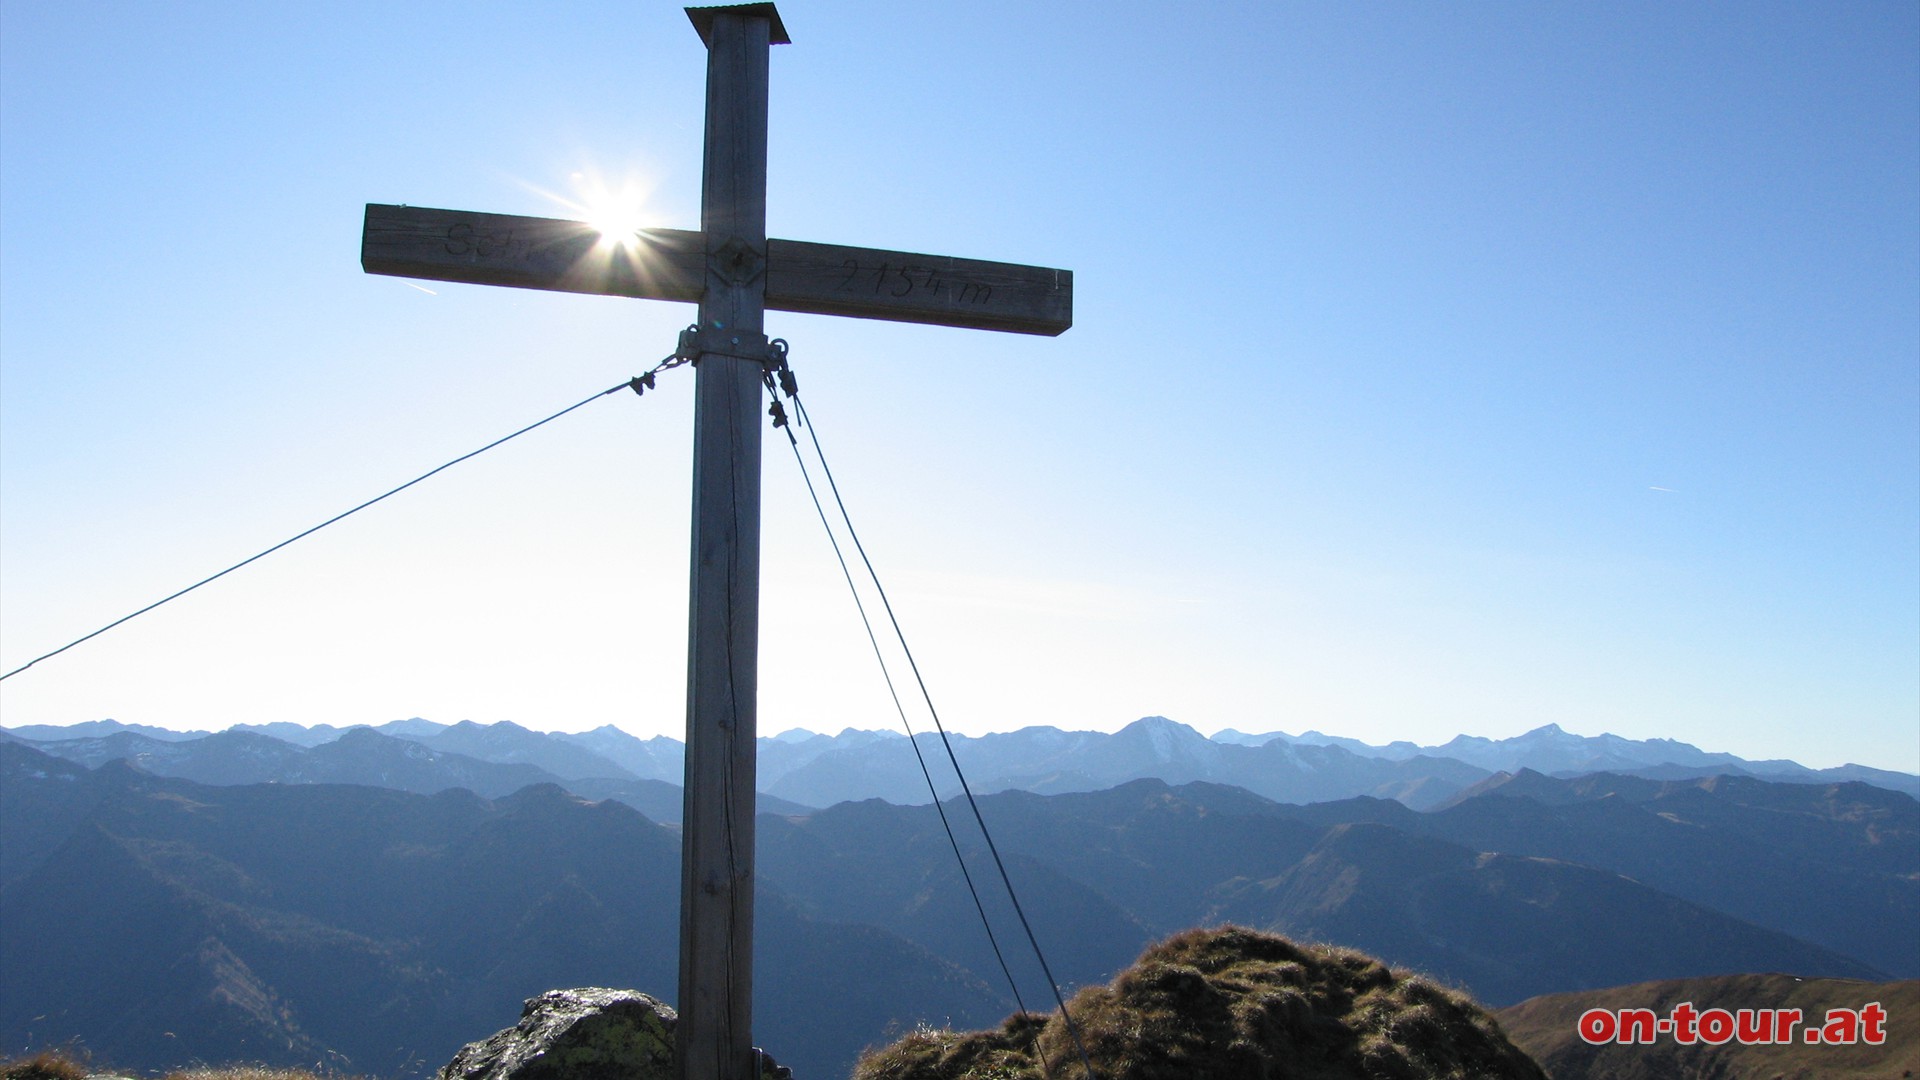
[1210,734]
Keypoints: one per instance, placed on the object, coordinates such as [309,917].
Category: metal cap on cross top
[735,273]
[703,20]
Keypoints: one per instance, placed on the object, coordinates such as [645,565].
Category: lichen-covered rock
[591,1033]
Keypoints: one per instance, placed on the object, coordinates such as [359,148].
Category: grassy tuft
[1229,1003]
[45,1065]
[249,1072]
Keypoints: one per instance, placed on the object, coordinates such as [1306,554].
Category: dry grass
[1228,1003]
[67,1064]
[77,1065]
[46,1065]
[249,1072]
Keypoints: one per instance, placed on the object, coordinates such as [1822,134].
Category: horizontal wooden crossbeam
[671,264]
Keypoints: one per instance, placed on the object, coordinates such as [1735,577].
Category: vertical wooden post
[726,266]
[715,1032]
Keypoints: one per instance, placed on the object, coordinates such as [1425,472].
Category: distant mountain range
[1555,752]
[801,769]
[516,758]
[380,929]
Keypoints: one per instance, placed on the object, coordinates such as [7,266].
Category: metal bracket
[737,262]
[698,341]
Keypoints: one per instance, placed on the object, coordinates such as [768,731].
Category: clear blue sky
[1436,368]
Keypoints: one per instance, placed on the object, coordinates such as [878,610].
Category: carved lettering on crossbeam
[671,264]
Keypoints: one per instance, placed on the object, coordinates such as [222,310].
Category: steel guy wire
[886,673]
[639,384]
[900,635]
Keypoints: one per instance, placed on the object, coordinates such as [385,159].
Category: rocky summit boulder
[589,1033]
[1230,1004]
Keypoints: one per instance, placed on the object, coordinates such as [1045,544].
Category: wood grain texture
[901,286]
[669,264]
[714,1036]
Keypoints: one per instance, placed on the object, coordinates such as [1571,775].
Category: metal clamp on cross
[734,273]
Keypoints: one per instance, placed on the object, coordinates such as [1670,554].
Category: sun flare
[617,211]
[618,224]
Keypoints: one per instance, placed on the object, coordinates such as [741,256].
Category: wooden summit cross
[734,273]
